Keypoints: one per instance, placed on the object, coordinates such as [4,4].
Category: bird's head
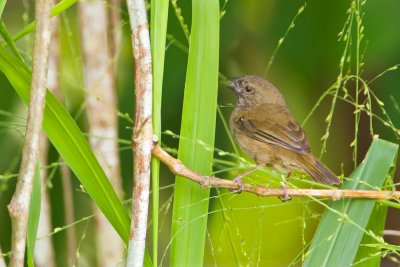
[253,91]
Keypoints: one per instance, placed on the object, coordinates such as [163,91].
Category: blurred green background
[249,230]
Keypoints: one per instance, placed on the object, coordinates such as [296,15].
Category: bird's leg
[284,187]
[238,179]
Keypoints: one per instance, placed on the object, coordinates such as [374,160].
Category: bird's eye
[248,89]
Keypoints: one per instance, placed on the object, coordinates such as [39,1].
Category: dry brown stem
[142,133]
[177,168]
[19,206]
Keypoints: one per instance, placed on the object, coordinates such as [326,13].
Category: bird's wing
[279,129]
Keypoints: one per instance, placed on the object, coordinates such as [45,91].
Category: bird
[266,130]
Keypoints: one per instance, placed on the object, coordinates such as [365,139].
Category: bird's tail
[317,170]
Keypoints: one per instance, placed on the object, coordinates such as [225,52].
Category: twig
[19,206]
[142,133]
[101,100]
[177,168]
[44,249]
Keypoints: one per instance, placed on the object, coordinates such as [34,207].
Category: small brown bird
[265,129]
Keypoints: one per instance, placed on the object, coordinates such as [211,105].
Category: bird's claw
[238,180]
[285,196]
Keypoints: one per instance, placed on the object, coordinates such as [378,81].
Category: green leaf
[196,143]
[34,214]
[2,5]
[7,37]
[71,144]
[158,32]
[375,225]
[344,222]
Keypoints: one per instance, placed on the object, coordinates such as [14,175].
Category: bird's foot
[239,181]
[239,178]
[285,196]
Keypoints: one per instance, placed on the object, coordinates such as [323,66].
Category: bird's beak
[232,83]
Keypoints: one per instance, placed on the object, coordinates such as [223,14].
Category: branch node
[155,141]
[206,181]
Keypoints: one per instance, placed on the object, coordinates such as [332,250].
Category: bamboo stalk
[101,100]
[177,168]
[142,131]
[19,206]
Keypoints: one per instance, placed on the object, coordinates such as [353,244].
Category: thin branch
[44,252]
[19,206]
[142,133]
[177,168]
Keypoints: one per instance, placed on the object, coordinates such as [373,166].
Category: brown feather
[317,170]
[281,130]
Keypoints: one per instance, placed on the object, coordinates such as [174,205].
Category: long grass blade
[343,224]
[158,33]
[369,255]
[197,135]
[366,255]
